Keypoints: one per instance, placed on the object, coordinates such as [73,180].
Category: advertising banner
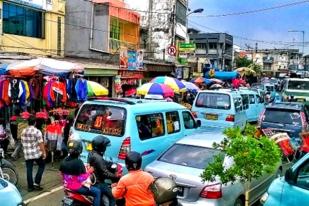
[132,60]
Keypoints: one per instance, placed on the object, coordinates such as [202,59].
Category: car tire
[239,202]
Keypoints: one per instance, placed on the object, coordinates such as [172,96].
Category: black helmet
[164,190]
[99,144]
[133,161]
[75,147]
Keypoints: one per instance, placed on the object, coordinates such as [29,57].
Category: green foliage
[243,62]
[256,67]
[252,157]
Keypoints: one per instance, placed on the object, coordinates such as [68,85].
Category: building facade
[32,27]
[216,47]
[106,31]
[276,60]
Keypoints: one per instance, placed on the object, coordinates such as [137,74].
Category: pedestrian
[4,142]
[135,186]
[34,151]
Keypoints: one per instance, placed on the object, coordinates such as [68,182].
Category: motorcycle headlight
[264,198]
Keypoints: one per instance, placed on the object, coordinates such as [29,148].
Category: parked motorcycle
[72,198]
[7,169]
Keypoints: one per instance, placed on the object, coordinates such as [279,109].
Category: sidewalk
[51,179]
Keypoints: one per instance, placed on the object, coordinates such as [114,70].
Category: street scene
[154,103]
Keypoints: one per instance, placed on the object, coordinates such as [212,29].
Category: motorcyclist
[101,166]
[135,186]
[75,176]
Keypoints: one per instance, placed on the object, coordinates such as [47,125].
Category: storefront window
[22,21]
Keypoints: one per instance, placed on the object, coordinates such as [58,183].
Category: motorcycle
[72,198]
[7,169]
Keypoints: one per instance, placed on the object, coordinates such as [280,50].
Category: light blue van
[253,104]
[146,126]
[293,189]
[219,108]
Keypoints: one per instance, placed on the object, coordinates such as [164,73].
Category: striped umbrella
[176,85]
[155,89]
[96,89]
[191,86]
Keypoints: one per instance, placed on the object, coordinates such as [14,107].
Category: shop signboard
[140,60]
[123,61]
[40,4]
[186,47]
[132,60]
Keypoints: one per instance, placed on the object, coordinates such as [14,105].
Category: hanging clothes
[58,93]
[46,94]
[5,92]
[34,86]
[54,136]
[81,90]
[15,90]
[71,83]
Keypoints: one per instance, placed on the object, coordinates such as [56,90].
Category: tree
[243,62]
[256,68]
[252,157]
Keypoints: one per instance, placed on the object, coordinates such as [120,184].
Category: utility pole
[149,45]
[173,21]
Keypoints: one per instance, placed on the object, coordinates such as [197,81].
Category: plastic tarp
[43,65]
[223,75]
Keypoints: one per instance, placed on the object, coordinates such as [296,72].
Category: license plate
[67,201]
[88,146]
[211,116]
[300,100]
[180,191]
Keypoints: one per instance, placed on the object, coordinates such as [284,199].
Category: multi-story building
[106,32]
[163,24]
[276,60]
[216,47]
[32,27]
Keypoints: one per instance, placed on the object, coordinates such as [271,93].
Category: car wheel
[239,202]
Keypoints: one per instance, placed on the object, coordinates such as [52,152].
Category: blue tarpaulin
[223,75]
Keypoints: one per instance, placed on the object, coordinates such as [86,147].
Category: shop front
[104,76]
[155,69]
[129,81]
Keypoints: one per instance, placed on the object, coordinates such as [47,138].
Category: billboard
[131,59]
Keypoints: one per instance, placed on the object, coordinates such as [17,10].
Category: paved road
[51,180]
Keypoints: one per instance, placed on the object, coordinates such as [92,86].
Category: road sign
[186,47]
[171,50]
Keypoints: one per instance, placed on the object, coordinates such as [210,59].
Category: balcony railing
[115,45]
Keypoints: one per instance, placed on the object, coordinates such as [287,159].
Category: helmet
[164,190]
[75,147]
[133,161]
[99,144]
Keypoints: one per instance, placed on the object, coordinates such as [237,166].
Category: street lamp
[303,32]
[200,10]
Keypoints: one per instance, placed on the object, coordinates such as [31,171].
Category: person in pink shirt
[74,174]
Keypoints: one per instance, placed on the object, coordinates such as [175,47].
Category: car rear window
[299,85]
[102,119]
[282,116]
[213,101]
[194,156]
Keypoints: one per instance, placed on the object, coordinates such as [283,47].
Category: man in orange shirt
[135,186]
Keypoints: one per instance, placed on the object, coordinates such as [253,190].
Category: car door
[298,193]
[252,108]
[260,106]
[188,123]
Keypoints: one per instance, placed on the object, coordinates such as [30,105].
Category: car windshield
[101,119]
[194,156]
[270,88]
[299,85]
[214,101]
[282,116]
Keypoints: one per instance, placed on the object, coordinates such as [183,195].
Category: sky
[270,26]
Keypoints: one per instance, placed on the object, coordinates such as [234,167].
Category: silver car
[185,161]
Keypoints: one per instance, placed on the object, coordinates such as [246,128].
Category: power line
[254,11]
[248,39]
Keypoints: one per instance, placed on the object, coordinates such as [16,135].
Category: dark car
[291,118]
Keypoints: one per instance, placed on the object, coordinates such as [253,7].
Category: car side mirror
[198,123]
[289,176]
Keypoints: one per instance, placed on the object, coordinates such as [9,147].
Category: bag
[164,190]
